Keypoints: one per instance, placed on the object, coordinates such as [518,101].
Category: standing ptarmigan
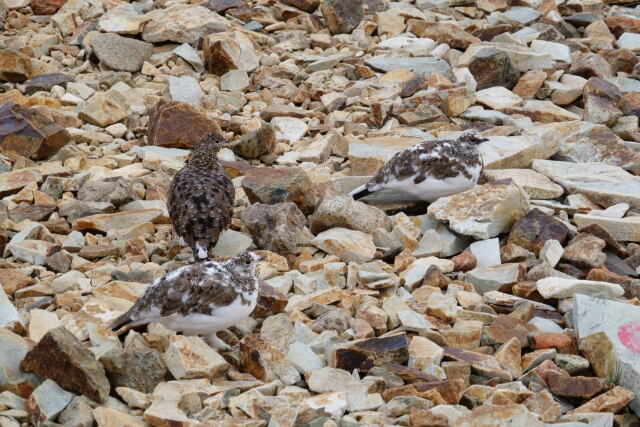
[431,169]
[201,198]
[201,298]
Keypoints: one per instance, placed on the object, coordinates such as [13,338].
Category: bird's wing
[200,201]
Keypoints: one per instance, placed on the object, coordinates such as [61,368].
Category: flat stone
[583,142]
[191,357]
[585,251]
[498,98]
[33,251]
[555,287]
[482,212]
[182,24]
[551,252]
[424,66]
[61,357]
[610,401]
[621,229]
[504,152]
[602,183]
[486,279]
[523,58]
[40,323]
[536,185]
[348,245]
[104,109]
[121,53]
[289,128]
[117,221]
[343,211]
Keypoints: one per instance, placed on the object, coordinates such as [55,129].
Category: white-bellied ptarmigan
[430,169]
[201,198]
[201,298]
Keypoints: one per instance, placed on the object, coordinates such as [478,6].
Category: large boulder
[178,125]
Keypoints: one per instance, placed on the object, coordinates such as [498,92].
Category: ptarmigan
[201,298]
[201,198]
[431,169]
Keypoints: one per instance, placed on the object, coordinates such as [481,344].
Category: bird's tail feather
[360,192]
[120,321]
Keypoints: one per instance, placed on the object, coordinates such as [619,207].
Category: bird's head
[205,154]
[472,137]
[245,263]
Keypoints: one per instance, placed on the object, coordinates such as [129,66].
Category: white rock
[615,211]
[487,252]
[629,41]
[234,80]
[41,322]
[555,287]
[557,51]
[545,325]
[289,128]
[8,313]
[348,245]
[498,97]
[415,272]
[185,89]
[303,358]
[551,252]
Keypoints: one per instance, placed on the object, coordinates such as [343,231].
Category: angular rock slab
[517,152]
[583,142]
[28,132]
[621,229]
[620,322]
[482,212]
[605,184]
[61,357]
[176,124]
[556,287]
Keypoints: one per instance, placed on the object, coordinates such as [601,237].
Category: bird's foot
[217,343]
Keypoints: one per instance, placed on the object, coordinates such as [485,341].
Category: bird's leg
[217,343]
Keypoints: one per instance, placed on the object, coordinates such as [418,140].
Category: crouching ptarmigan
[431,169]
[201,298]
[201,198]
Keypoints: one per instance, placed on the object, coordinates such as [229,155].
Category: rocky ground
[514,303]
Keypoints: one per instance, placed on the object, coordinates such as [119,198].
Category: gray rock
[185,89]
[343,211]
[47,401]
[121,53]
[137,368]
[487,279]
[44,82]
[419,65]
[257,143]
[571,363]
[12,378]
[77,414]
[274,227]
[117,192]
[303,358]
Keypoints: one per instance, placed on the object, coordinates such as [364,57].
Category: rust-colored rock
[465,261]
[611,401]
[576,387]
[558,340]
[14,66]
[535,229]
[178,125]
[30,132]
[506,327]
[623,24]
[443,32]
[425,418]
[450,390]
[363,355]
[46,7]
[270,301]
[61,357]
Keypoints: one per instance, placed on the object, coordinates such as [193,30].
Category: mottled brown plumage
[201,198]
[430,169]
[200,298]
